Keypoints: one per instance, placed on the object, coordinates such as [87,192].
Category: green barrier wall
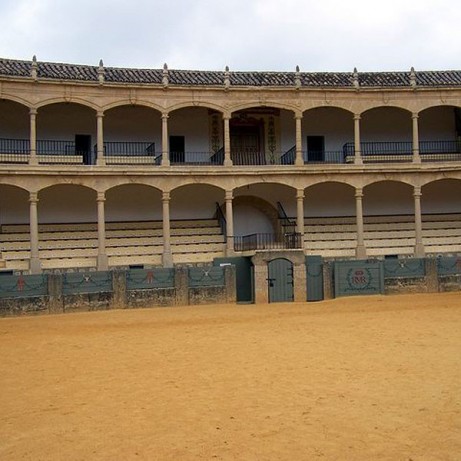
[23,286]
[358,278]
[143,279]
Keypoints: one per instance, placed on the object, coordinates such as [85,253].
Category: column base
[420,252]
[361,252]
[35,266]
[167,259]
[33,160]
[101,161]
[228,162]
[230,252]
[416,158]
[358,161]
[102,263]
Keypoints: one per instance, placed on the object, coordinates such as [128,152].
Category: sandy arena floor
[370,378]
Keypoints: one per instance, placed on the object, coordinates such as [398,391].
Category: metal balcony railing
[267,241]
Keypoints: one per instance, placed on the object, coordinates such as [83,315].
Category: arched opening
[262,136]
[386,135]
[66,134]
[330,223]
[132,135]
[195,136]
[440,133]
[441,217]
[14,132]
[327,133]
[389,219]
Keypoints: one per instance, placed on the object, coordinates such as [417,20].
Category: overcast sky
[317,35]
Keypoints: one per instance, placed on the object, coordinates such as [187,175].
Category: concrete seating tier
[127,243]
[383,235]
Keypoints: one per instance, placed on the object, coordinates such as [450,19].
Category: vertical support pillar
[165,141]
[361,251]
[229,224]
[167,256]
[227,145]
[416,156]
[100,160]
[357,146]
[33,159]
[299,140]
[34,266]
[419,245]
[102,262]
[300,213]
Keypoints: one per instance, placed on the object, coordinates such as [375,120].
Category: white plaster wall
[193,124]
[272,193]
[14,205]
[64,121]
[69,203]
[329,199]
[336,125]
[441,197]
[195,202]
[135,124]
[249,220]
[287,130]
[14,120]
[388,198]
[133,202]
[386,124]
[437,124]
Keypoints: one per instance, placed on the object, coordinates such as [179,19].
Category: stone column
[102,262]
[100,139]
[167,257]
[361,251]
[229,224]
[35,266]
[165,141]
[419,245]
[299,282]
[227,145]
[299,140]
[416,156]
[357,147]
[33,160]
[261,274]
[300,212]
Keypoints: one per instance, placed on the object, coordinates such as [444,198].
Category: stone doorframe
[261,273]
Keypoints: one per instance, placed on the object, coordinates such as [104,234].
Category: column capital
[229,195]
[299,193]
[165,196]
[101,196]
[33,197]
[414,115]
[226,116]
[357,116]
[100,113]
[165,116]
[358,192]
[298,116]
[33,111]
[417,191]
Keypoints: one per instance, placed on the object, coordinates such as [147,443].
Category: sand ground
[365,378]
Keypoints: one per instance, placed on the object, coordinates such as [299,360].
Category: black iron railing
[127,153]
[328,156]
[14,150]
[193,158]
[221,219]
[289,157]
[266,241]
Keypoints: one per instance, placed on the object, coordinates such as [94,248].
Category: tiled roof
[76,72]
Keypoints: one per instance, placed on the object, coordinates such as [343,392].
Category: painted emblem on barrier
[359,278]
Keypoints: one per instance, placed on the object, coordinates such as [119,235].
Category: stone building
[105,167]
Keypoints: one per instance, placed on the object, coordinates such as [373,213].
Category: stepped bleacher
[75,245]
[335,237]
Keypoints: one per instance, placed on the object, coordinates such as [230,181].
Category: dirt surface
[369,378]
